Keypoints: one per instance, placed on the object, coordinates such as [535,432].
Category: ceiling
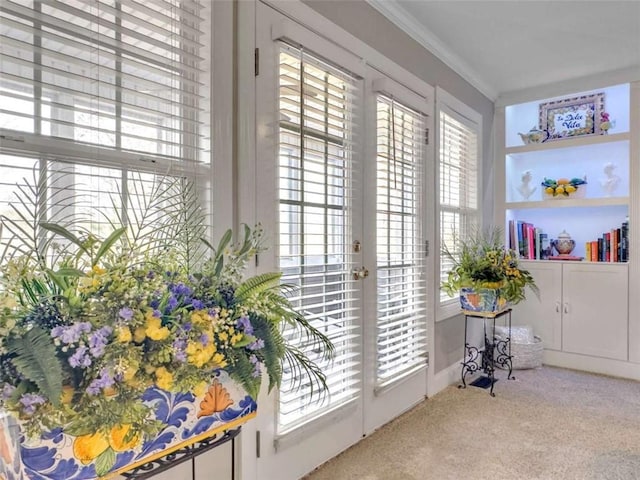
[510,45]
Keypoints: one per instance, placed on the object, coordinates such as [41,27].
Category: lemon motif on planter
[86,448]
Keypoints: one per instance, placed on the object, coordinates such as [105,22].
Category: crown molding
[395,13]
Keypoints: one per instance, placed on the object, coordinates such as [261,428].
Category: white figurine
[610,181]
[525,188]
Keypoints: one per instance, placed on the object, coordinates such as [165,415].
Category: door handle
[557,307]
[566,307]
[360,273]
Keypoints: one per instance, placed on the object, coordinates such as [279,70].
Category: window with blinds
[316,108]
[459,208]
[97,94]
[401,293]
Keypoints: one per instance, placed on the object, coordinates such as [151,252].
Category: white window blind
[92,91]
[401,293]
[459,208]
[317,110]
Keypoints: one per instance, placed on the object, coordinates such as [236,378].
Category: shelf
[569,202]
[573,262]
[569,143]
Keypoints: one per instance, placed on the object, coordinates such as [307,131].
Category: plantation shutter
[93,90]
[459,209]
[317,111]
[401,292]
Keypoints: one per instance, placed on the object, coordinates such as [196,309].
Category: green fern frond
[35,358]
[258,284]
[242,372]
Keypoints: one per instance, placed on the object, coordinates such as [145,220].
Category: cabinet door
[595,310]
[543,312]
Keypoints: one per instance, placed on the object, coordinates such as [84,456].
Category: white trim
[396,14]
[302,38]
[569,87]
[402,95]
[586,363]
[312,20]
[444,378]
[448,103]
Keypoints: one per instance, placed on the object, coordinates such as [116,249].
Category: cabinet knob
[557,307]
[566,307]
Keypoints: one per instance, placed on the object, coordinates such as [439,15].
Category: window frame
[447,103]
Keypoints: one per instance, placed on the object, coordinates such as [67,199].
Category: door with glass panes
[340,173]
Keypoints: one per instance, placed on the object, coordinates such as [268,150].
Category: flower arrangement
[87,325]
[562,186]
[482,262]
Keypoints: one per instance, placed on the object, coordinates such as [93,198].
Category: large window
[401,294]
[98,99]
[459,159]
[316,192]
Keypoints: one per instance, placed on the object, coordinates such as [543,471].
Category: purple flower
[151,275]
[181,289]
[7,391]
[197,304]
[171,304]
[245,324]
[30,401]
[72,333]
[80,358]
[256,366]
[155,303]
[126,313]
[204,339]
[105,380]
[98,341]
[179,346]
[157,313]
[257,345]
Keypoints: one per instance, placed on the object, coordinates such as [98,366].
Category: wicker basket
[526,352]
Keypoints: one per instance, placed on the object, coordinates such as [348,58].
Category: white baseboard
[444,378]
[586,363]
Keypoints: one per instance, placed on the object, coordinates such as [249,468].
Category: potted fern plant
[486,275]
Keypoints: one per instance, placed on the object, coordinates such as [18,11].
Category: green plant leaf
[258,284]
[108,243]
[105,462]
[70,272]
[63,232]
[35,358]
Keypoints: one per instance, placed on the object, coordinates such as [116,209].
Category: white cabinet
[582,308]
[544,311]
[595,310]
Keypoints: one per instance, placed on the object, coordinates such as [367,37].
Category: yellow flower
[124,334]
[164,378]
[139,335]
[219,361]
[130,371]
[200,389]
[198,354]
[236,338]
[154,330]
[223,336]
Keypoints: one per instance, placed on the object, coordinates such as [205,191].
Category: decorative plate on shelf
[572,117]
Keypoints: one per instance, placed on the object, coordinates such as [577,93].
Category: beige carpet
[548,424]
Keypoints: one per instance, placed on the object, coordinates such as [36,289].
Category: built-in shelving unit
[585,312]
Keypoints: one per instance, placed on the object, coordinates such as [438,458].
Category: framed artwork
[572,117]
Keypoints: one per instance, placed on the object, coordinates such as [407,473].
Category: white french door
[340,180]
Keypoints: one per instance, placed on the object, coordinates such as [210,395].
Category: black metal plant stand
[185,454]
[493,353]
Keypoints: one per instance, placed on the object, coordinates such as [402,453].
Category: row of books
[529,241]
[612,246]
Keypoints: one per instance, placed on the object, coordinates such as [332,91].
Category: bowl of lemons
[560,188]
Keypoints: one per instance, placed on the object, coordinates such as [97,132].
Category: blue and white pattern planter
[482,300]
[187,418]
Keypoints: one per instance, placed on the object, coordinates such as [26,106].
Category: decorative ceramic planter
[482,300]
[188,419]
